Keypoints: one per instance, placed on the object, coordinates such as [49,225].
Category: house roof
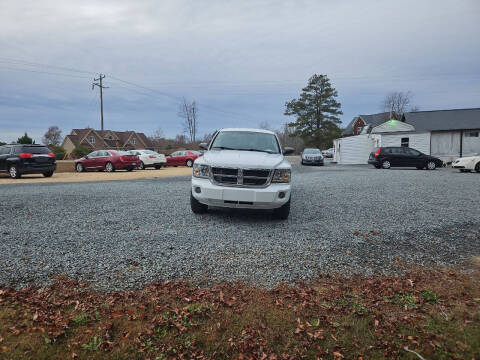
[372,119]
[120,138]
[437,120]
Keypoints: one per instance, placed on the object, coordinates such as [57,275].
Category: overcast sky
[240,60]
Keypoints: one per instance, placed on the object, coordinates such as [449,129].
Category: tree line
[316,112]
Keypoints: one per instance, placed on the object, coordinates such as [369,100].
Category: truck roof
[249,130]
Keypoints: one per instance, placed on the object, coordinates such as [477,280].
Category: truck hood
[241,159]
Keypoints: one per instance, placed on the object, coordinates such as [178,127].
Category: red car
[182,158]
[107,160]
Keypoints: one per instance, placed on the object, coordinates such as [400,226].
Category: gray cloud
[240,60]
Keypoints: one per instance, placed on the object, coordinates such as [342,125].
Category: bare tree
[53,136]
[189,113]
[158,134]
[398,103]
[288,138]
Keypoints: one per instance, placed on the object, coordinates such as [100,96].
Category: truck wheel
[282,212]
[189,163]
[158,167]
[79,167]
[14,174]
[477,167]
[197,206]
[48,174]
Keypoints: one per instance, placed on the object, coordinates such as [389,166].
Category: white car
[149,158]
[468,163]
[327,153]
[242,168]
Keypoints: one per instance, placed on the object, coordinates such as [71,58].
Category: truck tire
[282,212]
[197,206]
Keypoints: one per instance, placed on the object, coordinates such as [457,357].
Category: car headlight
[201,171]
[282,176]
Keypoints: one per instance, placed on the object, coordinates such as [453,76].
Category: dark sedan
[387,157]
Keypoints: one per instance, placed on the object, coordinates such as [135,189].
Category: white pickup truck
[242,168]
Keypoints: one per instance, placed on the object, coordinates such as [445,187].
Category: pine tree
[25,139]
[316,113]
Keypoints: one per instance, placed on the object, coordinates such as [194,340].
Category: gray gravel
[344,219]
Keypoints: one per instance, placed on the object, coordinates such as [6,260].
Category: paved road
[345,219]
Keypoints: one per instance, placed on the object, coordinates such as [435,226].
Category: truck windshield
[246,141]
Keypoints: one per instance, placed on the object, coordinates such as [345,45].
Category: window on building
[134,141]
[405,142]
[92,139]
[110,137]
[359,129]
[472,134]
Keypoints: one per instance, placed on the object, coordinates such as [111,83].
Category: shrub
[58,151]
[80,151]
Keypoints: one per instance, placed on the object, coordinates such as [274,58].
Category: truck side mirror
[203,145]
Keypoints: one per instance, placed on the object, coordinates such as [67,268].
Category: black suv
[27,159]
[387,157]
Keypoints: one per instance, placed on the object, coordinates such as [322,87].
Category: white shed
[447,134]
[356,149]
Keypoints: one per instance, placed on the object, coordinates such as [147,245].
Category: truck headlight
[201,171]
[282,176]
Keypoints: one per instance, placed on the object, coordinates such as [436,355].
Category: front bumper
[313,161]
[240,197]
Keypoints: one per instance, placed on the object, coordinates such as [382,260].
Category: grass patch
[435,313]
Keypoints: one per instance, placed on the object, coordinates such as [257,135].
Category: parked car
[27,159]
[182,158]
[468,163]
[387,157]
[328,153]
[108,160]
[312,156]
[149,158]
[242,168]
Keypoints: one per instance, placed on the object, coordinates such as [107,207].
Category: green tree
[316,113]
[58,151]
[80,151]
[2,143]
[25,139]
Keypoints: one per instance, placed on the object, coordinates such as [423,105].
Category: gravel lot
[344,219]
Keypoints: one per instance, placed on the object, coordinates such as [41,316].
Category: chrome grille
[240,177]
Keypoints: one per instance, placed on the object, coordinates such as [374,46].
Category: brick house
[360,122]
[106,139]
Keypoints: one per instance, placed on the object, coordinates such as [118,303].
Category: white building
[447,134]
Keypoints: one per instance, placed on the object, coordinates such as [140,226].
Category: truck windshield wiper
[265,151]
[223,148]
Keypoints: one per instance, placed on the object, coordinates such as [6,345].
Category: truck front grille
[240,177]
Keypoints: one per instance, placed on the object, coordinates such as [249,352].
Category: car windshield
[246,141]
[311,151]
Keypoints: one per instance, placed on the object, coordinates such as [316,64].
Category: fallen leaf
[35,316]
[337,355]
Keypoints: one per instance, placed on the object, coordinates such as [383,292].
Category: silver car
[312,156]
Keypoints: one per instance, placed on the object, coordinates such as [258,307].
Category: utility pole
[100,85]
